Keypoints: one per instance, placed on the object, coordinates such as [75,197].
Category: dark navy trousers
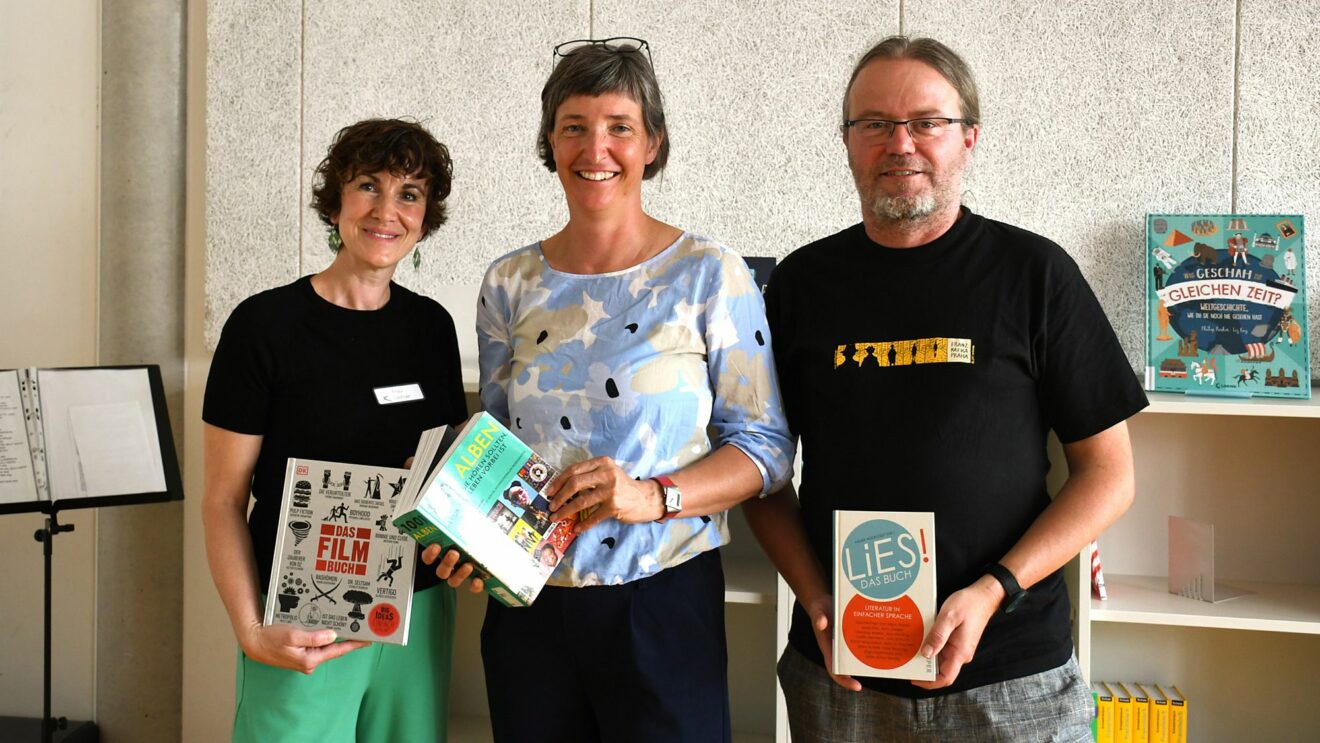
[642,661]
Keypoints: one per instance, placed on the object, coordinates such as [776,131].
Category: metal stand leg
[46,536]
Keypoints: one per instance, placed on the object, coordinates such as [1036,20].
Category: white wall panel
[753,92]
[1094,114]
[472,74]
[1278,139]
[253,136]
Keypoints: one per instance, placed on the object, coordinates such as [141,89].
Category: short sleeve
[1086,383]
[238,387]
[446,339]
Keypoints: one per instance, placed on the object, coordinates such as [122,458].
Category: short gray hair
[596,70]
[940,57]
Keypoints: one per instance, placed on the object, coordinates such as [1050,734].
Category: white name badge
[398,393]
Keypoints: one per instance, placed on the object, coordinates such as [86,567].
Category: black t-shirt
[927,379]
[301,372]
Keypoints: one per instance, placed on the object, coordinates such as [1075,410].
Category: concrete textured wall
[139,577]
[1096,112]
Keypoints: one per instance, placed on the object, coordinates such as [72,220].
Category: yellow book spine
[1177,714]
[1159,713]
[1122,714]
[1104,713]
[1140,713]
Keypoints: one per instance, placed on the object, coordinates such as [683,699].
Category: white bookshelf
[1267,607]
[1251,467]
[1171,403]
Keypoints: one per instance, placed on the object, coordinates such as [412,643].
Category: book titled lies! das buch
[480,490]
[884,593]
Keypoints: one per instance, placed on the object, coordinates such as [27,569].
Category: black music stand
[48,398]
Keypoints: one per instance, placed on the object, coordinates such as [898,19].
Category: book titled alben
[339,564]
[1226,305]
[884,593]
[481,491]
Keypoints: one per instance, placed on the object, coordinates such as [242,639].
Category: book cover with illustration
[339,562]
[1226,305]
[884,593]
[480,491]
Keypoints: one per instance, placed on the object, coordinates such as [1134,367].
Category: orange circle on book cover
[882,634]
[383,620]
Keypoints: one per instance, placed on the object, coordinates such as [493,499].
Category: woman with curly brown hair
[344,366]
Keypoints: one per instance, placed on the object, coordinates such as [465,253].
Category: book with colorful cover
[884,593]
[479,490]
[339,564]
[1226,305]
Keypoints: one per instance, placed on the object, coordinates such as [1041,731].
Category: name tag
[398,393]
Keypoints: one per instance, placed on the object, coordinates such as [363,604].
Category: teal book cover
[484,496]
[1226,305]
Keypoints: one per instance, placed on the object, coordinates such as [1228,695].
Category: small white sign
[399,393]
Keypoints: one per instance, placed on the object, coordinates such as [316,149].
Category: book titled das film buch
[1226,305]
[339,562]
[481,491]
[884,593]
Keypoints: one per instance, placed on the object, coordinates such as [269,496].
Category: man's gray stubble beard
[902,208]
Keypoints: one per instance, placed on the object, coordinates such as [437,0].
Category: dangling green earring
[334,240]
[417,259]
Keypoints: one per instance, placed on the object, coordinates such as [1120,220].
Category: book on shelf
[84,438]
[339,563]
[1140,712]
[1122,713]
[1097,574]
[884,593]
[1177,713]
[1159,713]
[1102,728]
[1226,305]
[480,490]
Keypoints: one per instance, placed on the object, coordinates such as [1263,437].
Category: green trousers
[377,693]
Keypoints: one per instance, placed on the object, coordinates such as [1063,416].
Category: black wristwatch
[1014,594]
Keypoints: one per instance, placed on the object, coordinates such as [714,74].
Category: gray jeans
[1054,705]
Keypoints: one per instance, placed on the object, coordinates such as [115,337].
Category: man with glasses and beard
[928,351]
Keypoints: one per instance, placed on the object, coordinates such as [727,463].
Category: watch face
[673,500]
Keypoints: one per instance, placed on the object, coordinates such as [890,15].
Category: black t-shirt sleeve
[446,338]
[1086,383]
[238,388]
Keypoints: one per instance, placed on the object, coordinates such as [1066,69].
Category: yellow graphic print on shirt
[906,353]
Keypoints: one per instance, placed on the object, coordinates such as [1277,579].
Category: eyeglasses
[619,44]
[880,130]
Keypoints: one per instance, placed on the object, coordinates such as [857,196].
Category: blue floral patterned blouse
[636,365]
